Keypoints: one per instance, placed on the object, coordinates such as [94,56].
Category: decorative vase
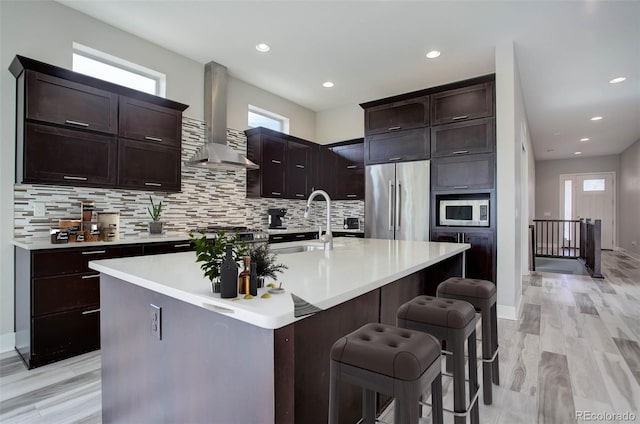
[155,227]
[215,285]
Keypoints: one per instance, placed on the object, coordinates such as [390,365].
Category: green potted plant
[211,252]
[155,226]
[265,261]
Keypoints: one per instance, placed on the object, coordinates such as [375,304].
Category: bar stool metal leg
[473,378]
[436,401]
[487,348]
[496,362]
[368,406]
[459,390]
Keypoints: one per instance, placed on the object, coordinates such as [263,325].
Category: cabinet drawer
[463,173]
[71,261]
[149,166]
[402,115]
[64,156]
[68,103]
[65,334]
[58,294]
[170,247]
[281,238]
[461,138]
[149,122]
[475,101]
[398,146]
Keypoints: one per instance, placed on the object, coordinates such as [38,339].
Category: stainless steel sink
[296,249]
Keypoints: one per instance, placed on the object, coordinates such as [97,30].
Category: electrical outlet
[39,209]
[156,321]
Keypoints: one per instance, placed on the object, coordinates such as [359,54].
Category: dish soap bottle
[244,280]
[229,276]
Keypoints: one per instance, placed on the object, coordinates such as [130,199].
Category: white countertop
[292,230]
[39,243]
[325,279]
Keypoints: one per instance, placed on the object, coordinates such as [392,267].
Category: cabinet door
[69,157]
[326,166]
[149,122]
[148,166]
[397,146]
[273,167]
[463,173]
[56,262]
[67,292]
[349,172]
[402,115]
[445,236]
[65,334]
[63,102]
[168,247]
[461,104]
[462,138]
[299,170]
[480,257]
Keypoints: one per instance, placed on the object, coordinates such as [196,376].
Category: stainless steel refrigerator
[397,201]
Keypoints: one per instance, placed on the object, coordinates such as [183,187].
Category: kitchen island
[249,361]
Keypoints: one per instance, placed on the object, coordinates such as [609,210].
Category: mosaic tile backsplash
[208,197]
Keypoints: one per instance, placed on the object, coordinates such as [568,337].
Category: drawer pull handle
[349,235]
[459,187]
[93,311]
[300,166]
[78,123]
[352,166]
[276,161]
[277,237]
[67,177]
[457,118]
[300,236]
[86,277]
[181,245]
[147,137]
[276,193]
[394,128]
[94,252]
[299,195]
[352,195]
[396,158]
[460,152]
[153,184]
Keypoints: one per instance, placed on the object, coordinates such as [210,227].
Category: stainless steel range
[248,235]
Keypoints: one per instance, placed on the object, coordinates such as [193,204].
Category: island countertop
[322,278]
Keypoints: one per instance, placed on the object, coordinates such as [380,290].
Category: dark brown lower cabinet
[480,258]
[147,166]
[281,238]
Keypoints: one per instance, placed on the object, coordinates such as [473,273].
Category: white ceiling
[567,51]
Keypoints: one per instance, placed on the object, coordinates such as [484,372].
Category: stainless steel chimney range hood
[216,153]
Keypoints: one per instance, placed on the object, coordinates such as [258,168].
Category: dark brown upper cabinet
[460,104]
[58,101]
[145,166]
[140,120]
[397,146]
[349,171]
[325,171]
[397,116]
[463,138]
[460,173]
[62,156]
[67,124]
[299,170]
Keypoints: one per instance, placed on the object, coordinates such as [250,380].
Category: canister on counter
[91,231]
[110,225]
[59,235]
[87,208]
[69,224]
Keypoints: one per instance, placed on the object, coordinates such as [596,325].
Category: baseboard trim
[7,342]
[507,312]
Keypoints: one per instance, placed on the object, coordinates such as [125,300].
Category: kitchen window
[110,68]
[258,117]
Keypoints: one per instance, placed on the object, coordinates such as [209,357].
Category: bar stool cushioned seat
[442,312]
[387,350]
[467,287]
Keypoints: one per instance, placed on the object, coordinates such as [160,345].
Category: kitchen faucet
[327,238]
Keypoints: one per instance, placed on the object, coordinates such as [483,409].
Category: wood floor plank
[523,376]
[585,304]
[599,335]
[621,384]
[630,351]
[530,319]
[586,381]
[555,400]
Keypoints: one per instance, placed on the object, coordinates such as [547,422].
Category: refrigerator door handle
[398,217]
[391,209]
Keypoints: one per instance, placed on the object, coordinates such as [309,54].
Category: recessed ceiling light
[577,153]
[328,84]
[584,139]
[617,80]
[596,118]
[433,54]
[262,47]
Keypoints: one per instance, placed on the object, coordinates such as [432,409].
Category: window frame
[281,119]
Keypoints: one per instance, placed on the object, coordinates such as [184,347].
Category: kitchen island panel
[206,368]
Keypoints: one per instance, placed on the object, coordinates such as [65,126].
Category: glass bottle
[253,284]
[244,280]
[229,275]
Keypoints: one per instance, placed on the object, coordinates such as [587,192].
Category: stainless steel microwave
[464,212]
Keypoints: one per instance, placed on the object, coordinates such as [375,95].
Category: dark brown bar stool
[385,359]
[454,322]
[482,295]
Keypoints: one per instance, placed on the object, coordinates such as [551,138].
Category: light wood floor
[576,347]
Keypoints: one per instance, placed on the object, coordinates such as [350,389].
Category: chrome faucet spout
[327,238]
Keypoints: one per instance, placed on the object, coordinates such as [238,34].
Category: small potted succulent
[265,260]
[211,252]
[155,226]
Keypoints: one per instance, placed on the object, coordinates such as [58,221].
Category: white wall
[511,133]
[338,124]
[629,200]
[45,30]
